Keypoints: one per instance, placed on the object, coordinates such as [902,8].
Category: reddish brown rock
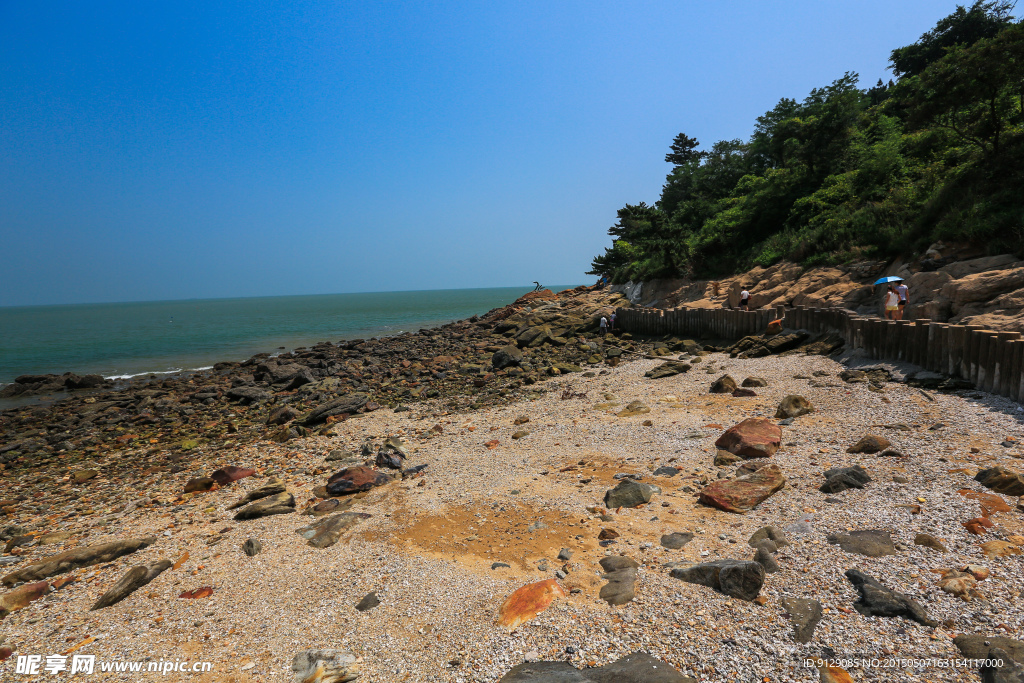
[755,437]
[20,597]
[978,525]
[5,653]
[527,602]
[742,494]
[226,475]
[1002,480]
[607,534]
[741,393]
[355,479]
[198,593]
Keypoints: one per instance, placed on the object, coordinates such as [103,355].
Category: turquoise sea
[123,340]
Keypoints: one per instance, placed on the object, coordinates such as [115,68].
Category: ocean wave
[158,372]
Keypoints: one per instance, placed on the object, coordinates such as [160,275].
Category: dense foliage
[849,172]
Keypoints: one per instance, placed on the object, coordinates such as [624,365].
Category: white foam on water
[159,372]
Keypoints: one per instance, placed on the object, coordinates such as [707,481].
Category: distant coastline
[121,341]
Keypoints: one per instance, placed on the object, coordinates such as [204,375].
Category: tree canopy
[849,172]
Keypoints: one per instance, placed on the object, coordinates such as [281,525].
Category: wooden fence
[992,361]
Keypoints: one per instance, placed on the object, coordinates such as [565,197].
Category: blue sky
[213,149]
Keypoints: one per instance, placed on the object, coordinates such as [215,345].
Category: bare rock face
[136,578]
[743,494]
[77,557]
[755,437]
[324,666]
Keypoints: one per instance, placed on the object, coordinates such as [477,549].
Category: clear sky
[249,148]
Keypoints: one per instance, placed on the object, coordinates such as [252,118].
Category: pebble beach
[490,513]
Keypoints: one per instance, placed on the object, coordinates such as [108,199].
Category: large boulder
[1002,480]
[737,578]
[878,601]
[793,406]
[743,494]
[506,356]
[755,437]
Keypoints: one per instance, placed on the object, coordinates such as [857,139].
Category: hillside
[849,173]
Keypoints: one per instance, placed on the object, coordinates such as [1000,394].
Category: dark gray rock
[506,356]
[764,557]
[1005,670]
[839,479]
[638,667]
[628,494]
[544,672]
[247,395]
[805,615]
[929,541]
[666,471]
[368,602]
[669,369]
[869,542]
[676,539]
[878,601]
[252,547]
[977,646]
[1002,480]
[326,531]
[737,578]
[273,487]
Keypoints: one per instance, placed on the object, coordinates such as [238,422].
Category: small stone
[870,443]
[252,547]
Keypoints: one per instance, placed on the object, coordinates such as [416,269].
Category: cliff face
[987,290]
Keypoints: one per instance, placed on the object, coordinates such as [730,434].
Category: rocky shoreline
[517,498]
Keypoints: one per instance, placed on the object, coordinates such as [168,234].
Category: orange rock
[1000,549]
[527,602]
[989,502]
[180,561]
[493,443]
[203,592]
[833,674]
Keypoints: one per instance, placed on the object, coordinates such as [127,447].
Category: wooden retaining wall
[992,361]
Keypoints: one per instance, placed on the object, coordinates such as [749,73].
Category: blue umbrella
[891,278]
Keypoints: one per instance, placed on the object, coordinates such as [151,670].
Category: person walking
[745,300]
[892,300]
[902,291]
[604,325]
[611,322]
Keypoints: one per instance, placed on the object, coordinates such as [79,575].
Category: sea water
[123,340]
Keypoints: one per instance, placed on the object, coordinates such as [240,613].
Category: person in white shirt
[745,300]
[902,291]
